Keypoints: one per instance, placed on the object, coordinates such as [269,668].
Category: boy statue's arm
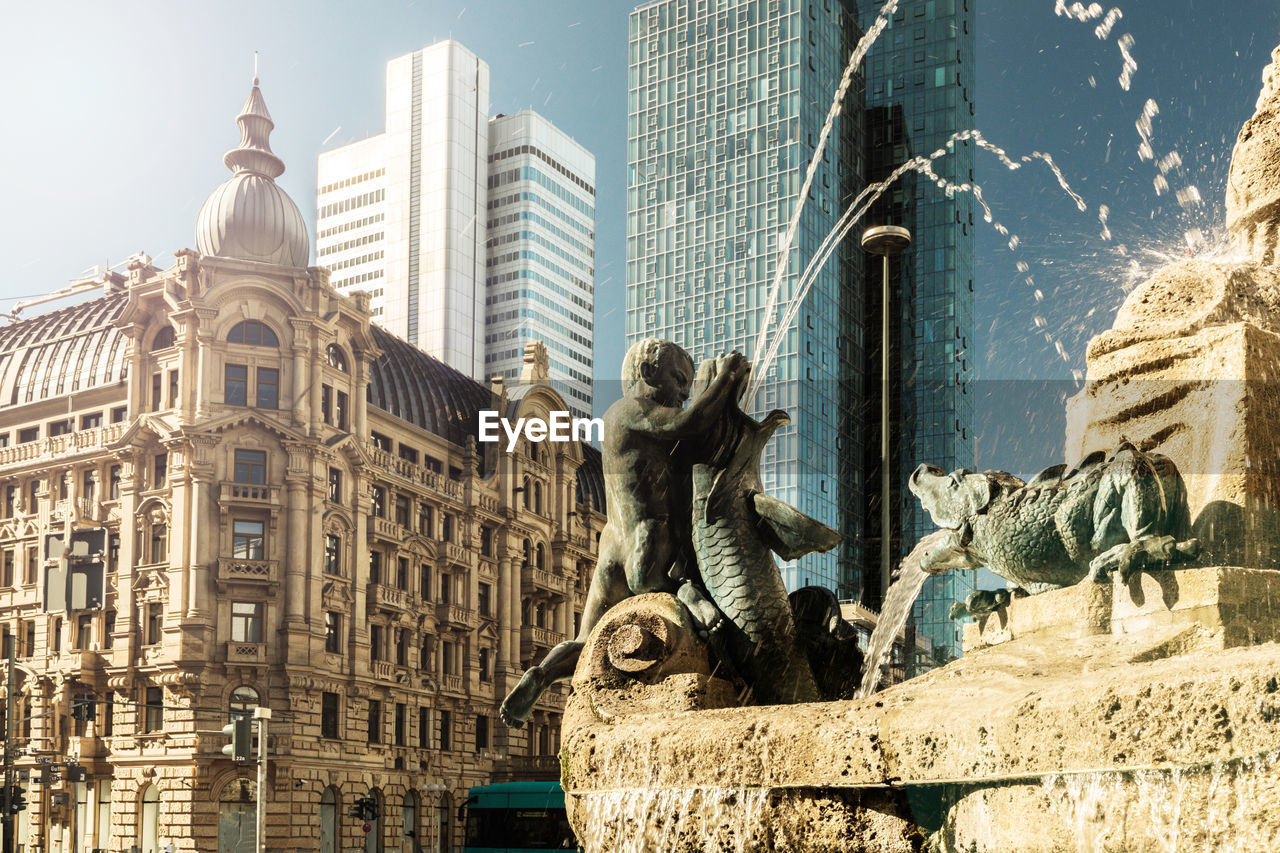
[671,422]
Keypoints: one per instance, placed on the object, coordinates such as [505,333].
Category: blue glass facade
[726,103]
[920,81]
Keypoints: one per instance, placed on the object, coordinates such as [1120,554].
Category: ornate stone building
[296,515]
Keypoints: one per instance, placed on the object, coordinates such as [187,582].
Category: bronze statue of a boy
[643,546]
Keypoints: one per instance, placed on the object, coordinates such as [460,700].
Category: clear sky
[117,116]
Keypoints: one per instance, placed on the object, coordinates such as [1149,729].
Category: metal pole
[262,714]
[885,240]
[886,522]
[7,825]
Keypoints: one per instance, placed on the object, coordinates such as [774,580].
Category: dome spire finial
[254,154]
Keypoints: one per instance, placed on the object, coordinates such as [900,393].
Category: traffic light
[49,774]
[241,733]
[365,808]
[16,799]
[75,772]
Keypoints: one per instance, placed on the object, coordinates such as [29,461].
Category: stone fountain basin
[1136,717]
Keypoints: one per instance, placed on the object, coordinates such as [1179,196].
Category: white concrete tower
[402,214]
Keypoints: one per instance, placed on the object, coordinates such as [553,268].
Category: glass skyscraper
[727,99]
[919,91]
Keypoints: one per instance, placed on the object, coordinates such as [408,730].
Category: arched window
[540,557]
[149,820]
[243,700]
[163,339]
[329,821]
[238,817]
[409,821]
[373,840]
[253,333]
[537,498]
[336,358]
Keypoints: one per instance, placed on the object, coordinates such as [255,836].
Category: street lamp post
[262,714]
[885,240]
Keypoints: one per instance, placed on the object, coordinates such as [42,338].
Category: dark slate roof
[67,350]
[591,478]
[408,384]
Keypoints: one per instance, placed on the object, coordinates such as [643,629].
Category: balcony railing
[459,554]
[541,636]
[250,493]
[542,579]
[62,445]
[452,614]
[239,654]
[260,571]
[387,597]
[451,684]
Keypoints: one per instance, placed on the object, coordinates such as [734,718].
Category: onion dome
[249,216]
[1253,186]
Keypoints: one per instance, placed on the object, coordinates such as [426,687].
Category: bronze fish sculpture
[736,531]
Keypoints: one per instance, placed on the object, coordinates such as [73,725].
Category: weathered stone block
[1083,610]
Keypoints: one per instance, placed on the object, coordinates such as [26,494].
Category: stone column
[204,360]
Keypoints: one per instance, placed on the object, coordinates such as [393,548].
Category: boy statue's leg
[607,589]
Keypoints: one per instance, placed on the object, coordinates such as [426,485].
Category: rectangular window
[268,388]
[156,402]
[89,486]
[326,404]
[10,498]
[426,518]
[333,631]
[6,645]
[424,728]
[246,621]
[375,721]
[236,380]
[251,466]
[402,647]
[375,567]
[32,567]
[119,414]
[408,454]
[159,542]
[173,388]
[335,486]
[446,528]
[446,730]
[482,732]
[446,659]
[28,435]
[401,724]
[84,631]
[153,719]
[329,715]
[486,658]
[108,629]
[28,638]
[332,555]
[248,541]
[380,441]
[60,428]
[424,580]
[113,483]
[378,502]
[6,567]
[375,642]
[92,421]
[155,624]
[340,411]
[160,468]
[445,593]
[402,573]
[402,510]
[484,595]
[113,551]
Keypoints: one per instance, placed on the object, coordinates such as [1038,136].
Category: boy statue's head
[659,370]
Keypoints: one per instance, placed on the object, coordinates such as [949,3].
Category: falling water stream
[897,605]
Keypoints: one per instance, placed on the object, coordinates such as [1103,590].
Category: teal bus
[516,817]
